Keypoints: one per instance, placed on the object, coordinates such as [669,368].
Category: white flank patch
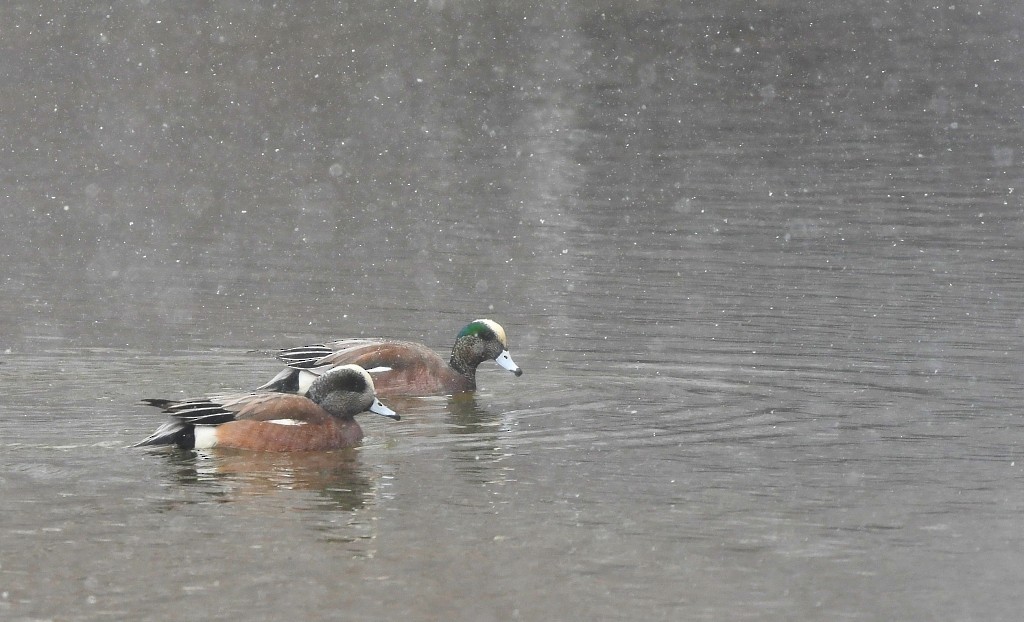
[305,379]
[377,370]
[206,436]
[286,422]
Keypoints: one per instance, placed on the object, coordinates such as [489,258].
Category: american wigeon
[320,420]
[400,367]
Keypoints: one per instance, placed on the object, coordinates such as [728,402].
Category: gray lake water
[762,265]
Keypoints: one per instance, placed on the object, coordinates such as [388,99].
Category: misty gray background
[761,263]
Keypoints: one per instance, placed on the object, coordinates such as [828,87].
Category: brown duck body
[401,367]
[284,422]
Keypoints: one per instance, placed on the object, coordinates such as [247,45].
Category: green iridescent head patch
[485,329]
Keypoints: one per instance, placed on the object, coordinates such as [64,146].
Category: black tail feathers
[171,433]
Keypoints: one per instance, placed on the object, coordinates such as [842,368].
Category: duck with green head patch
[400,367]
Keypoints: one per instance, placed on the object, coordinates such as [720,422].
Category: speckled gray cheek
[479,348]
[345,404]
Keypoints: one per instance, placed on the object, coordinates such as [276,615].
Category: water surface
[761,265]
